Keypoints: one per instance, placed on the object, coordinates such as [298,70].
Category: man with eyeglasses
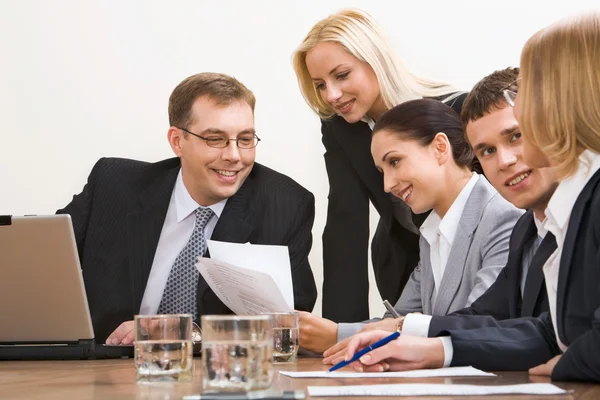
[140,226]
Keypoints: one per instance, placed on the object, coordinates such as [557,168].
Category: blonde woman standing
[349,76]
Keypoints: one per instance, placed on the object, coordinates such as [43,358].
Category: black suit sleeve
[491,306]
[581,360]
[299,245]
[345,238]
[515,344]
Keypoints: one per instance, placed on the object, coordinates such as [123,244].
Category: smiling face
[499,146]
[345,83]
[410,170]
[214,174]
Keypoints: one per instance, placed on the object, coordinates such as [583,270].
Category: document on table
[417,373]
[249,279]
[424,389]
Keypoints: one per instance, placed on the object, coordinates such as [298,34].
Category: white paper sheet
[270,259]
[244,291]
[417,373]
[423,389]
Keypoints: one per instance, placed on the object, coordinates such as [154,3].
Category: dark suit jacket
[526,342]
[119,216]
[353,181]
[503,299]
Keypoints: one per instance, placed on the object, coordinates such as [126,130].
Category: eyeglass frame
[509,93]
[509,96]
[227,140]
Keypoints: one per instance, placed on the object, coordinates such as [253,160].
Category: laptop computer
[45,313]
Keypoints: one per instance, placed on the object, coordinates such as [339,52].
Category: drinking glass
[286,336]
[163,348]
[237,352]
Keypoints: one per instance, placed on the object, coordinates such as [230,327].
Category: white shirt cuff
[448,350]
[416,325]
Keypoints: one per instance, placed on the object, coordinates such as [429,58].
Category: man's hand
[402,354]
[335,354]
[316,334]
[124,334]
[545,369]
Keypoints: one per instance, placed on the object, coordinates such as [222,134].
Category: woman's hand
[316,334]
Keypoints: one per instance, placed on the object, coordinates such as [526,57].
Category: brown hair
[422,120]
[560,90]
[488,94]
[220,88]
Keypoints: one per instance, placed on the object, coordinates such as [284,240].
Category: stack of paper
[417,373]
[249,279]
[422,389]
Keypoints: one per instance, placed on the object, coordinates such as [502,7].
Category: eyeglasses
[246,141]
[510,97]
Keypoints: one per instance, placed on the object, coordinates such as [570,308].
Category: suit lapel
[535,275]
[427,289]
[144,227]
[355,139]
[455,266]
[522,235]
[577,213]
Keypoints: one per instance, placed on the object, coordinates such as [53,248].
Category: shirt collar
[541,229]
[567,192]
[448,225]
[369,121]
[186,205]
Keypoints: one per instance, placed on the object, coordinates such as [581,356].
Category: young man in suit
[140,226]
[519,290]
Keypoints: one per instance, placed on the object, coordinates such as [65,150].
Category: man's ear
[441,147]
[175,137]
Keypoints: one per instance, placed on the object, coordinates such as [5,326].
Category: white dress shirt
[439,234]
[370,121]
[558,214]
[176,232]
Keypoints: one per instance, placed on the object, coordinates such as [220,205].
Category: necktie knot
[203,215]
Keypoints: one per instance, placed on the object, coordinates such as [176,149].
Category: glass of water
[237,352]
[163,348]
[286,336]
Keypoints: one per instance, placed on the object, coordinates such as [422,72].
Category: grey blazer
[478,254]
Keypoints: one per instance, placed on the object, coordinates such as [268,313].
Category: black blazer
[503,299]
[523,343]
[119,216]
[353,182]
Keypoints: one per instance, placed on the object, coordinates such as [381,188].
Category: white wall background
[80,80]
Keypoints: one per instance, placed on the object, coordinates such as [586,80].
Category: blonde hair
[560,90]
[359,34]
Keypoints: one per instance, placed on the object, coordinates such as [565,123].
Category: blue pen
[364,351]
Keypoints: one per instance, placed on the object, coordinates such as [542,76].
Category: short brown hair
[221,88]
[487,94]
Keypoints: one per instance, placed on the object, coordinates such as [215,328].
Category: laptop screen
[41,286]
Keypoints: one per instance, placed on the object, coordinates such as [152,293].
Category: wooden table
[115,379]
